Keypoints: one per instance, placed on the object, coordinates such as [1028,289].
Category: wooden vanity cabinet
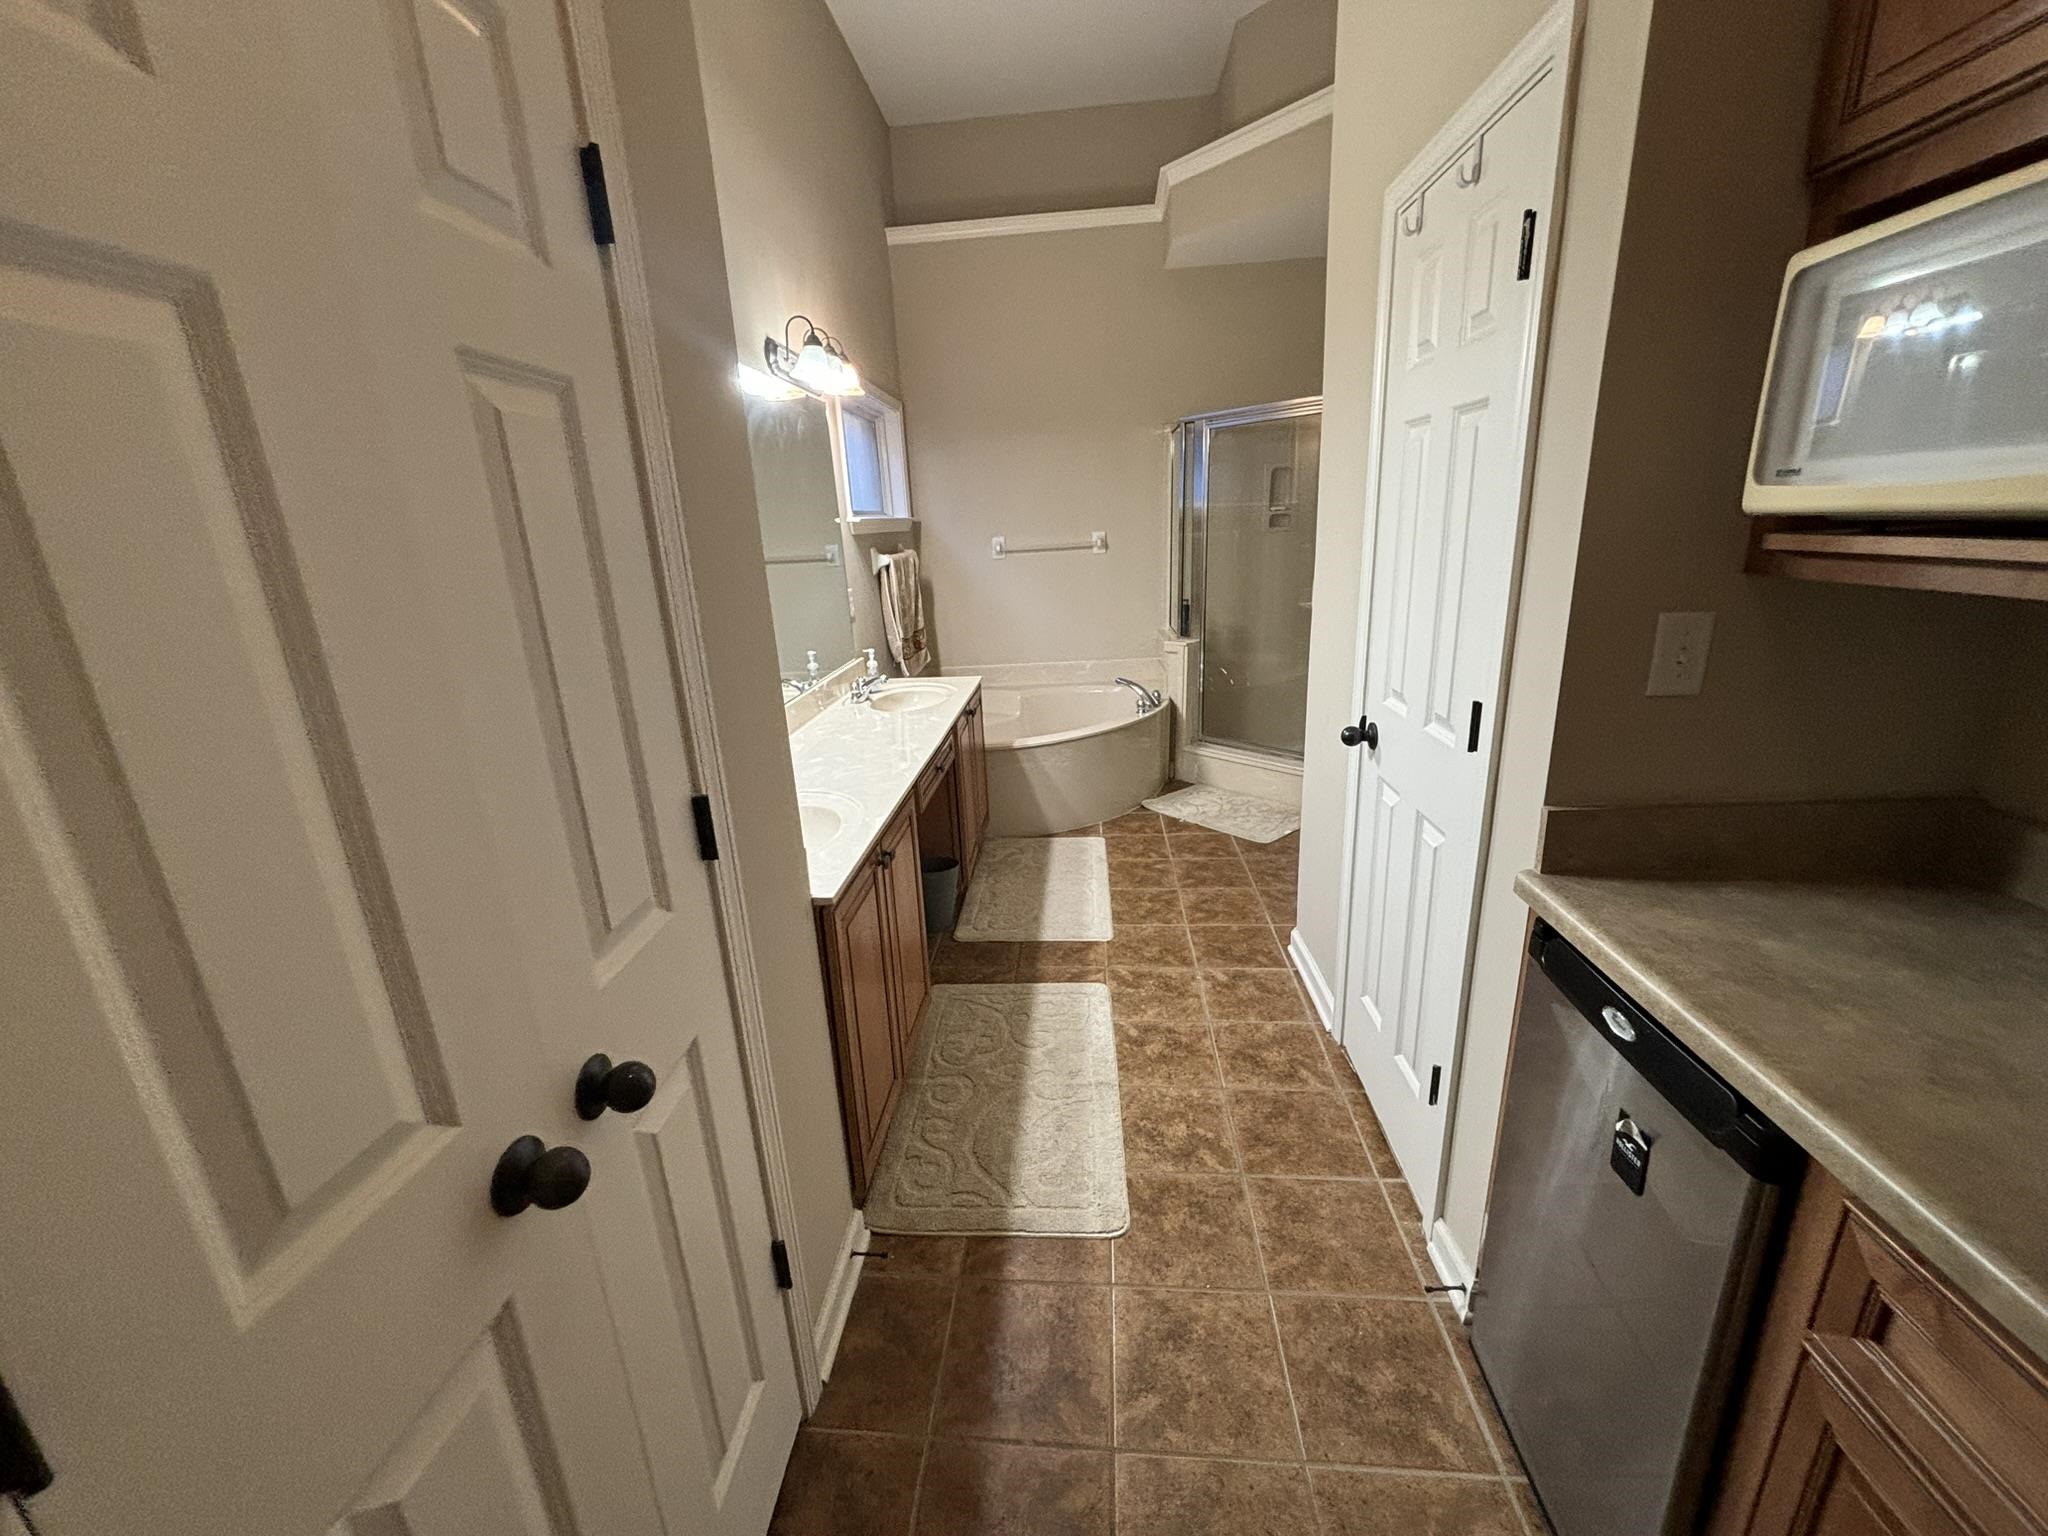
[877,982]
[970,777]
[1881,1403]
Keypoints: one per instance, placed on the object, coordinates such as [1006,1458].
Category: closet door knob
[1365,731]
[628,1087]
[530,1172]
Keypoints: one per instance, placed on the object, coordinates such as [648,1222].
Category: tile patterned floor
[1256,1355]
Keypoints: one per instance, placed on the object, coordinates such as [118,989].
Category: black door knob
[627,1087]
[1365,731]
[530,1172]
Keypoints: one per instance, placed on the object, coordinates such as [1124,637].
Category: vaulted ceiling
[930,61]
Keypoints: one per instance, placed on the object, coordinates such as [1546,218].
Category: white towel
[903,611]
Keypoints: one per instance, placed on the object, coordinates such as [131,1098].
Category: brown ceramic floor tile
[1287,847]
[913,1256]
[1302,1133]
[1140,875]
[847,1485]
[1368,1123]
[1061,961]
[1347,1077]
[1027,1362]
[1330,1235]
[1280,907]
[1193,1232]
[1475,1383]
[1212,874]
[1078,1260]
[1161,945]
[1192,842]
[1183,1496]
[1234,905]
[1273,878]
[1176,1055]
[973,1488]
[1239,945]
[1132,906]
[1197,1372]
[1148,994]
[1281,858]
[1406,1211]
[1354,1503]
[1126,847]
[957,962]
[1174,1130]
[888,1357]
[1272,1056]
[1267,996]
[1134,821]
[1532,1512]
[1375,1384]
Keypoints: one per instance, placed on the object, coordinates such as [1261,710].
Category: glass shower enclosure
[1244,535]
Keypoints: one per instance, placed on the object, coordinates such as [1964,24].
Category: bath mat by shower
[1039,889]
[1225,810]
[1010,1124]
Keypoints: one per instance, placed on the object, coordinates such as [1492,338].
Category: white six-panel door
[343,803]
[1461,335]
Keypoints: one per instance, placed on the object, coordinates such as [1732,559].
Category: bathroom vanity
[882,785]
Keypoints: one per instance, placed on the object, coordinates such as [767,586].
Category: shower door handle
[1365,731]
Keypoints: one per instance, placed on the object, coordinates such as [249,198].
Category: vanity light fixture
[819,365]
[765,386]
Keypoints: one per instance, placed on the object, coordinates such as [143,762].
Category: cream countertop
[1898,1033]
[855,763]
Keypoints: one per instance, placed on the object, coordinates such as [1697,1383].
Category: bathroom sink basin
[823,816]
[909,698]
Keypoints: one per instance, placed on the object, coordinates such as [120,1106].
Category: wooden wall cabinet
[1882,1403]
[872,939]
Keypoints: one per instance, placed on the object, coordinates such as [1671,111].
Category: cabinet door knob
[628,1087]
[885,858]
[530,1172]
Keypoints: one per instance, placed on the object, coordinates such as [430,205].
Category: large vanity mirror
[791,442]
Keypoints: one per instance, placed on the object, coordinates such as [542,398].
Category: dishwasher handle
[1693,1088]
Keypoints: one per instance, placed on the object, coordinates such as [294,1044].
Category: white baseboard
[831,1322]
[1452,1267]
[1319,993]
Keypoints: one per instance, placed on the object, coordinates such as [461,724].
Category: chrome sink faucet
[1148,699]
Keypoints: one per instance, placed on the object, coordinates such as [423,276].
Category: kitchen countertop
[1899,1033]
[856,763]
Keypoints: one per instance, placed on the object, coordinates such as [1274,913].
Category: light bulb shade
[819,366]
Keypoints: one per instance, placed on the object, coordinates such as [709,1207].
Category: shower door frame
[1188,584]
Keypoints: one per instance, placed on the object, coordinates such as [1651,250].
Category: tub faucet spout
[1148,699]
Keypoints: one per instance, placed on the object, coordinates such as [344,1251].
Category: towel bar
[1096,543]
[827,556]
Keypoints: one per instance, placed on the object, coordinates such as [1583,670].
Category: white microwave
[1909,368]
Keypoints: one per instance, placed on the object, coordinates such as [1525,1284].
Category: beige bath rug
[1037,889]
[1010,1124]
[1225,810]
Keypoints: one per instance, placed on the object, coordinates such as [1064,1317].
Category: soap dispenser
[811,666]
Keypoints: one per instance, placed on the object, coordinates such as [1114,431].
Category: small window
[876,475]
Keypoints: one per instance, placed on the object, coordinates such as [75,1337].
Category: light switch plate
[1678,664]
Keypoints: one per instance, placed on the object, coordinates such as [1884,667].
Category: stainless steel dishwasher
[1635,1195]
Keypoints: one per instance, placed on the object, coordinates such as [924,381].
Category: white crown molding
[1024,224]
[1255,135]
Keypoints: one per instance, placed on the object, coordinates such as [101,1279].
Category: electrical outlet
[1678,664]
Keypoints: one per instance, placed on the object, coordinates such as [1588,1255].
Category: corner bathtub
[1065,755]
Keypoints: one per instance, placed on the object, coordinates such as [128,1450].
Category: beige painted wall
[1106,157]
[1040,375]
[2015,777]
[1034,162]
[1278,53]
[668,155]
[1403,66]
[801,160]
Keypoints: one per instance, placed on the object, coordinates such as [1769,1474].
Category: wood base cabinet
[877,981]
[1882,1403]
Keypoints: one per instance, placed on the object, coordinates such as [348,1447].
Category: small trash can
[941,891]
